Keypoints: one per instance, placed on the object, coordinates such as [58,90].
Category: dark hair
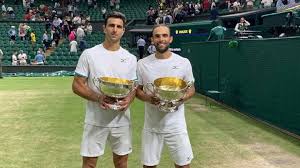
[115,14]
[160,25]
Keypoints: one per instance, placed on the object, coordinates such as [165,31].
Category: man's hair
[160,25]
[115,14]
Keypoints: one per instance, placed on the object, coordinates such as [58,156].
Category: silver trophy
[114,88]
[169,90]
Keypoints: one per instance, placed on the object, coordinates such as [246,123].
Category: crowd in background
[73,25]
[175,11]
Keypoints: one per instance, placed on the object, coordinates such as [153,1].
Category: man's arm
[247,23]
[81,88]
[189,93]
[237,28]
[125,102]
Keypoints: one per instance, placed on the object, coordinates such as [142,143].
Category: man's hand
[105,102]
[177,103]
[152,99]
[125,102]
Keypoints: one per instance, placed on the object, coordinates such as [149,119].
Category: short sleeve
[134,71]
[189,72]
[82,68]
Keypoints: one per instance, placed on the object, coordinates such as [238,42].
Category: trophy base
[167,107]
[114,107]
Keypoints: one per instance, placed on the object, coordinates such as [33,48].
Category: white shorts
[94,139]
[178,144]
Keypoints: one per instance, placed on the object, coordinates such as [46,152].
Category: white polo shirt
[151,68]
[99,62]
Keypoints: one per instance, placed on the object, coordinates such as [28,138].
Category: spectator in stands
[33,40]
[47,24]
[80,33]
[52,42]
[167,18]
[95,4]
[150,16]
[159,19]
[250,4]
[83,19]
[73,46]
[28,31]
[3,10]
[14,59]
[241,26]
[39,59]
[236,6]
[266,3]
[191,9]
[12,34]
[77,20]
[28,15]
[46,40]
[117,4]
[198,8]
[22,58]
[31,3]
[66,29]
[282,3]
[11,12]
[56,22]
[56,37]
[179,14]
[70,9]
[89,28]
[90,4]
[214,13]
[72,35]
[1,57]
[27,4]
[103,11]
[22,31]
[151,49]
[206,5]
[213,5]
[56,5]
[103,124]
[141,46]
[111,4]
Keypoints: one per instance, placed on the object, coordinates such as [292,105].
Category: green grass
[41,124]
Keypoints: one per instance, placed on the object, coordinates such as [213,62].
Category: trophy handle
[189,84]
[148,85]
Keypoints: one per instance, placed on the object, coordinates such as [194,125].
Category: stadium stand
[25,45]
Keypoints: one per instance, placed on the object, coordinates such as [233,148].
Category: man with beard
[103,124]
[164,127]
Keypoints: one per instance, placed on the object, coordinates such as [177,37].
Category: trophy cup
[170,91]
[114,88]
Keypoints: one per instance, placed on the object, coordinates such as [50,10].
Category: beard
[161,50]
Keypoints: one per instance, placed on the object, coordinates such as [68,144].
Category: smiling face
[114,29]
[161,38]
